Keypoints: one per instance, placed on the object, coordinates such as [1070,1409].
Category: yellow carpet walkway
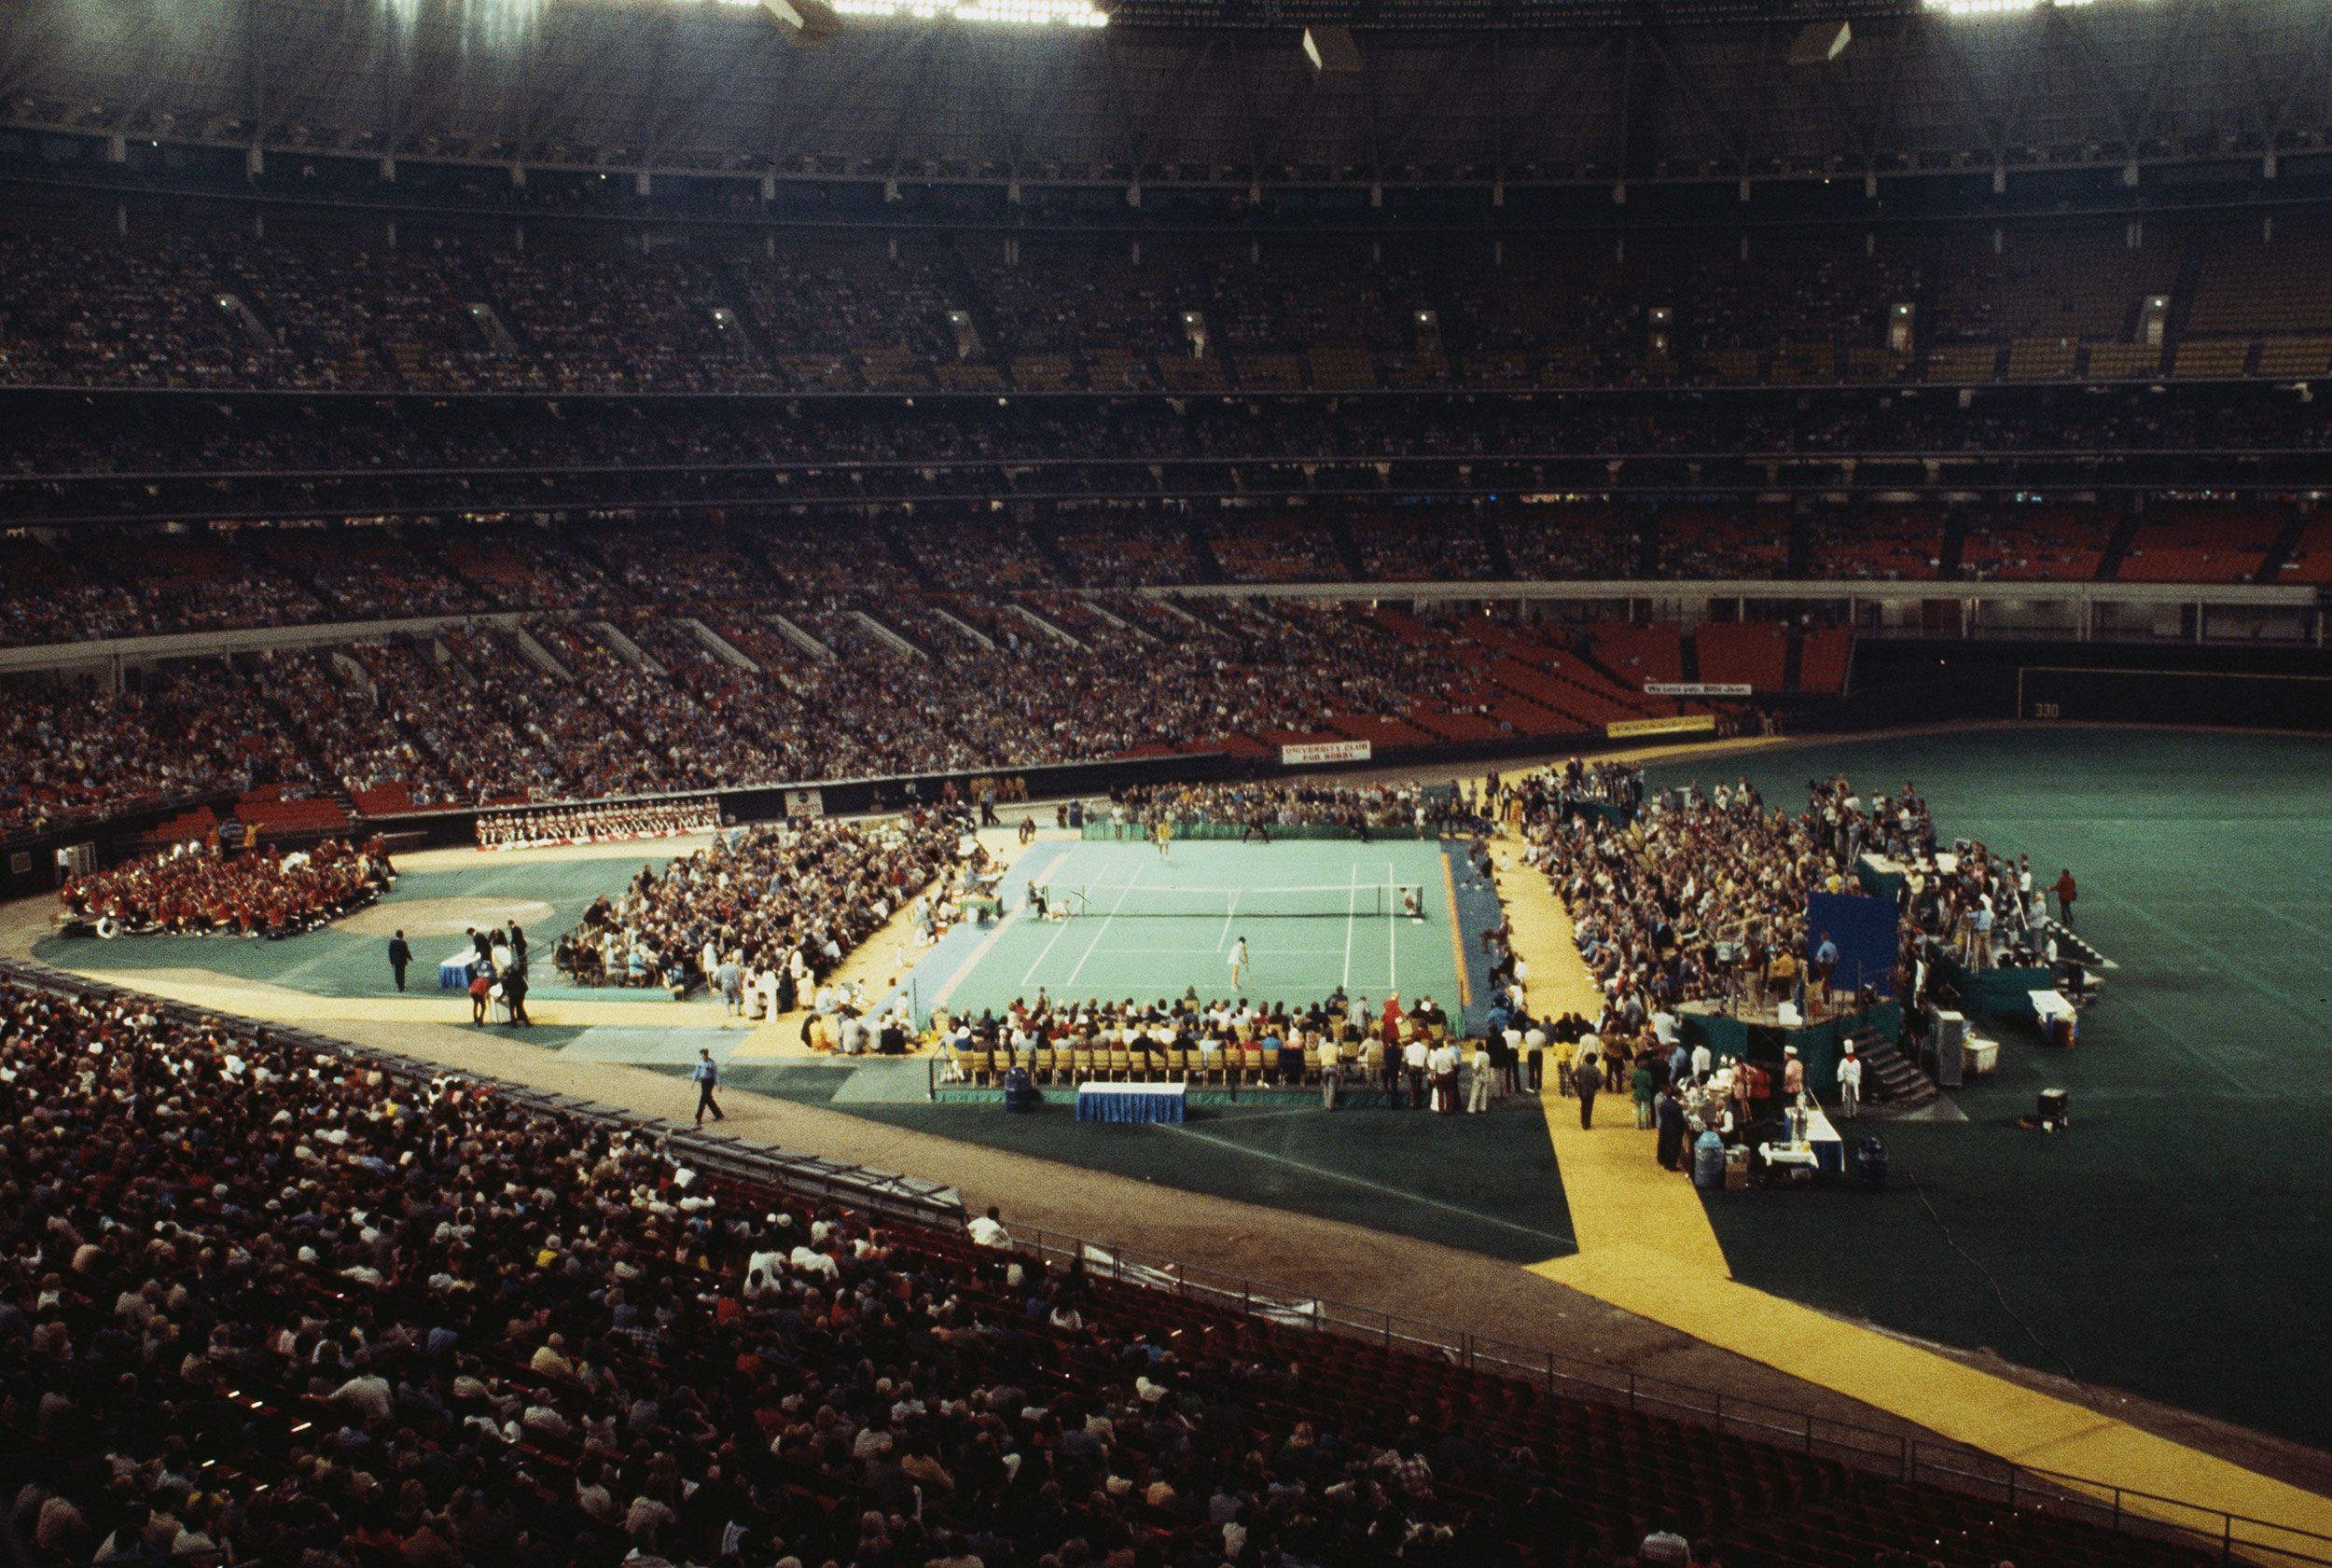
[1646,1246]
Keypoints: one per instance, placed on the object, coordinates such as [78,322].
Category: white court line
[1047,952]
[1392,932]
[1351,907]
[1103,930]
[1327,1175]
[1229,914]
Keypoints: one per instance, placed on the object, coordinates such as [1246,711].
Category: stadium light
[1999,8]
[1018,13]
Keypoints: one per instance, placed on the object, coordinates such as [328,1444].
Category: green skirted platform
[1729,1038]
[1994,991]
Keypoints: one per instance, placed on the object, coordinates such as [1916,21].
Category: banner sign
[1324,751]
[1696,688]
[1683,723]
[805,803]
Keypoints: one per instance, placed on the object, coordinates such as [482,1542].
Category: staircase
[1495,544]
[1202,551]
[2125,534]
[1890,1078]
[1954,542]
[1039,527]
[1794,661]
[905,559]
[1347,549]
[2285,542]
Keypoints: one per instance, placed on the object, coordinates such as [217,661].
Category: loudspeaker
[1951,1042]
[1819,42]
[1332,50]
[807,22]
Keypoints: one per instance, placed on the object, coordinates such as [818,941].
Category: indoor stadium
[1165,784]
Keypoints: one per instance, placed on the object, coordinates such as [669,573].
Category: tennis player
[1239,963]
[1164,833]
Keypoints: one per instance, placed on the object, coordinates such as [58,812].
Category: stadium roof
[1208,92]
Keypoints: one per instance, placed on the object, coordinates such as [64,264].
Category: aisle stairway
[1889,1078]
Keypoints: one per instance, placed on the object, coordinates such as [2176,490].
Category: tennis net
[1139,901]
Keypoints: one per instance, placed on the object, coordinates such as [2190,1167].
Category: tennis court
[1317,915]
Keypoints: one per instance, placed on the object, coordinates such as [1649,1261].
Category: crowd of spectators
[196,890]
[267,1305]
[607,822]
[1265,1042]
[73,755]
[1704,898]
[788,898]
[356,459]
[559,709]
[1253,806]
[204,307]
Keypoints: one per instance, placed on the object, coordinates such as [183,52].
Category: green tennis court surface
[2176,1241]
[1315,916]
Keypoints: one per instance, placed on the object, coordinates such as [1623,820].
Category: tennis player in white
[1239,963]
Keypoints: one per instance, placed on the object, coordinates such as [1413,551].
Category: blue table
[455,973]
[1130,1102]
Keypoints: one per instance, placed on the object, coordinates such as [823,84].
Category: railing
[1896,1455]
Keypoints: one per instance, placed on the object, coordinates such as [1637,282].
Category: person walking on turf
[1239,964]
[400,958]
[1587,1080]
[1850,1084]
[707,1078]
[2066,892]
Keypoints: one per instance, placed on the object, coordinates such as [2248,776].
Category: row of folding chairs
[1231,1064]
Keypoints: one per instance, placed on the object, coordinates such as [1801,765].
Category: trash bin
[1870,1165]
[1737,1168]
[1019,1094]
[1708,1162]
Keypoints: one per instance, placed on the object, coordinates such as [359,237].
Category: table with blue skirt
[455,973]
[1130,1102]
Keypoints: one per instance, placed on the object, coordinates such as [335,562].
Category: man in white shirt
[988,1231]
[1849,1084]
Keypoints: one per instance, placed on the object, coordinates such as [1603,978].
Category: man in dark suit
[400,956]
[514,996]
[483,945]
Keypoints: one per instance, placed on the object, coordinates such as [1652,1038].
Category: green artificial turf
[2176,1242]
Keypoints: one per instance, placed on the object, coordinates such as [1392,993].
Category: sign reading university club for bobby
[1313,753]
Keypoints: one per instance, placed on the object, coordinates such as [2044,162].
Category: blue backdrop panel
[1864,930]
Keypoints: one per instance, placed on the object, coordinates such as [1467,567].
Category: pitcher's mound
[444,917]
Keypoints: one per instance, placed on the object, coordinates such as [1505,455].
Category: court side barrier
[2233,1538]
[1226,832]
